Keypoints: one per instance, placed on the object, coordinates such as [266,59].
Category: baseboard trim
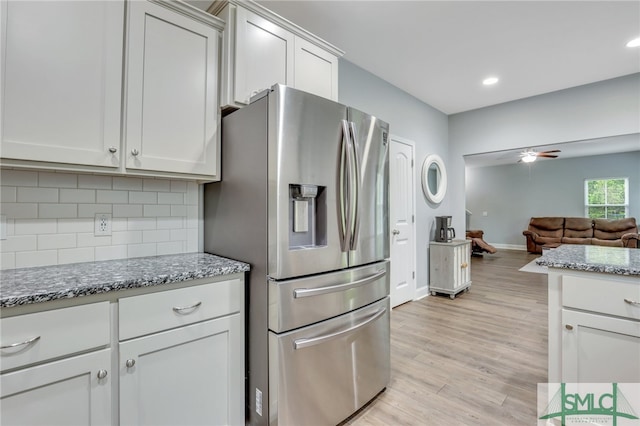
[421,293]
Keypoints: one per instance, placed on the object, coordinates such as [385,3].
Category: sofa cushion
[609,243]
[548,227]
[583,241]
[578,227]
[604,229]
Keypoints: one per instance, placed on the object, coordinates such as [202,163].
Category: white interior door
[402,221]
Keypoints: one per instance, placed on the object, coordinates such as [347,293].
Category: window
[606,198]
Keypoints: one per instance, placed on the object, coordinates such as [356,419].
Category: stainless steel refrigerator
[304,200]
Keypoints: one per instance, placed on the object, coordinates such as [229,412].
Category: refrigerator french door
[339,155]
[303,199]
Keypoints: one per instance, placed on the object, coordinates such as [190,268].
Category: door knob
[130,363]
[395,232]
[113,149]
[135,152]
[101,374]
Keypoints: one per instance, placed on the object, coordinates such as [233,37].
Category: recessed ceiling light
[489,81]
[634,43]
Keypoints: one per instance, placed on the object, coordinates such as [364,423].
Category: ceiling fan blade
[546,155]
[548,152]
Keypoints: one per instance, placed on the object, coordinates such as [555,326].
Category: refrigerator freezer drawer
[299,302]
[323,373]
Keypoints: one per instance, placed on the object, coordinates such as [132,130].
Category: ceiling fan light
[634,43]
[529,157]
[490,81]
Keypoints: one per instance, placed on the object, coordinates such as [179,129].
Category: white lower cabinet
[599,348]
[71,391]
[594,327]
[180,360]
[449,267]
[192,375]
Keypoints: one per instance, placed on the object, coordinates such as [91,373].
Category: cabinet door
[172,99]
[62,81]
[316,70]
[599,349]
[192,375]
[264,55]
[65,392]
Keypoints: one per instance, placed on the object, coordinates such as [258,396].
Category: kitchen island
[594,314]
[154,340]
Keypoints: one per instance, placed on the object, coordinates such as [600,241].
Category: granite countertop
[608,260]
[41,284]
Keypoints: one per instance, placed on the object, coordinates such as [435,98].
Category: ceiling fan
[529,155]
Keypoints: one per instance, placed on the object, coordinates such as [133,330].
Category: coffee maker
[444,232]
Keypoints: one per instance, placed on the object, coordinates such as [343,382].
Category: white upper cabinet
[171,118]
[261,49]
[263,55]
[62,85]
[85,90]
[316,70]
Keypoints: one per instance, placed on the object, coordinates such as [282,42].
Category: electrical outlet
[102,224]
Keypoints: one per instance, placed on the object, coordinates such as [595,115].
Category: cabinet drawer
[150,313]
[603,296]
[32,338]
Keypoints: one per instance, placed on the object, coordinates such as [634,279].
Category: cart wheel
[452,296]
[433,293]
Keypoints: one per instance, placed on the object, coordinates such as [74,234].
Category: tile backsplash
[50,217]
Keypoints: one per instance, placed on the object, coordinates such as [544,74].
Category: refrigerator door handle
[344,188]
[355,226]
[305,343]
[308,292]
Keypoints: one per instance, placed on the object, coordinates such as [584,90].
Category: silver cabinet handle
[102,374]
[568,327]
[130,363]
[304,343]
[135,152]
[307,292]
[113,149]
[26,342]
[395,232]
[632,302]
[181,309]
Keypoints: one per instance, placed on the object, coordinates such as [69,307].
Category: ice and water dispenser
[307,216]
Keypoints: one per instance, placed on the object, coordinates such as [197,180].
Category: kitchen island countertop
[608,260]
[25,286]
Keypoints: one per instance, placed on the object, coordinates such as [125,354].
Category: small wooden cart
[450,267]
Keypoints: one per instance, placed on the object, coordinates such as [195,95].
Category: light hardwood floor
[475,360]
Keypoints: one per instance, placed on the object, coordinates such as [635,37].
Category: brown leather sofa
[553,231]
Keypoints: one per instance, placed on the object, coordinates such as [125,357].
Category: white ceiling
[440,51]
[582,148]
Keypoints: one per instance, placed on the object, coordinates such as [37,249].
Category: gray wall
[512,194]
[602,109]
[410,119]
